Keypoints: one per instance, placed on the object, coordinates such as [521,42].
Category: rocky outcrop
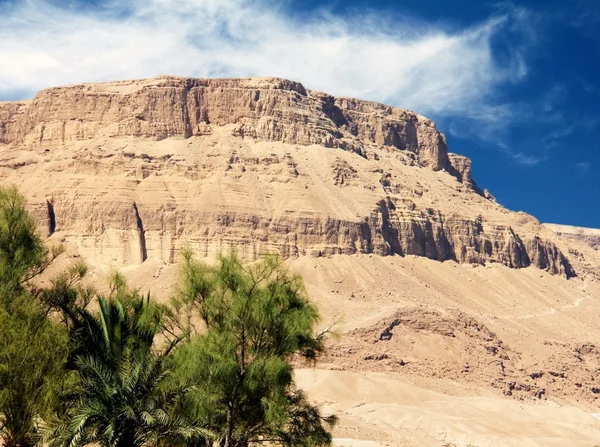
[134,170]
[261,108]
[398,230]
[461,169]
[10,112]
[116,234]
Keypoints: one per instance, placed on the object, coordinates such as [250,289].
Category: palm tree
[122,397]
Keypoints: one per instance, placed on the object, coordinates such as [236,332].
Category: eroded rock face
[262,108]
[461,169]
[398,230]
[127,235]
[133,170]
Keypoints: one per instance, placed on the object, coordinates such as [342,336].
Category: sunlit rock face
[134,170]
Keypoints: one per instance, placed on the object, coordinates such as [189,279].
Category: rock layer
[133,170]
[263,108]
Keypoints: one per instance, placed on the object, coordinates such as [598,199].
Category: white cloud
[399,61]
[583,166]
[526,160]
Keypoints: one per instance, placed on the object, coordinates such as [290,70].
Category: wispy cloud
[527,160]
[561,132]
[520,155]
[404,62]
[588,87]
[583,166]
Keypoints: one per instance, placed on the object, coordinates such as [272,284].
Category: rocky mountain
[131,170]
[462,322]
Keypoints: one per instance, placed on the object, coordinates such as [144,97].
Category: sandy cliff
[132,170]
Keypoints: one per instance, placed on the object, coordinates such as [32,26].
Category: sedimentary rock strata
[133,170]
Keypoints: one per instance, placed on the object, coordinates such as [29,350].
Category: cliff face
[133,170]
[265,109]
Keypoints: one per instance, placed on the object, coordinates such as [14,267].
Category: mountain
[434,282]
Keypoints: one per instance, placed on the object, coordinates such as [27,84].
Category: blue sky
[513,85]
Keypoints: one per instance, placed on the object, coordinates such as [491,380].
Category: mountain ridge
[106,126]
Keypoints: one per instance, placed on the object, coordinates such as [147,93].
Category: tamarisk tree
[253,320]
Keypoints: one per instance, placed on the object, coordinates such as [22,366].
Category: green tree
[32,348]
[252,321]
[23,256]
[123,397]
[32,353]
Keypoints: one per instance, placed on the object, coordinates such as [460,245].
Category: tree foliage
[32,352]
[32,347]
[122,397]
[22,253]
[255,319]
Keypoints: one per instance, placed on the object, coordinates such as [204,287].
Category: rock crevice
[141,232]
[51,218]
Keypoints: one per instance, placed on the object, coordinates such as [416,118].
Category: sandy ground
[539,322]
[381,410]
[532,312]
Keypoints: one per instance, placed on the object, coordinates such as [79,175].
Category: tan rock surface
[131,170]
[589,236]
[364,201]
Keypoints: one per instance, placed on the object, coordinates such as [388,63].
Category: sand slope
[541,320]
[381,410]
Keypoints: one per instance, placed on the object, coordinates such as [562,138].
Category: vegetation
[213,368]
[32,347]
[121,398]
[256,318]
[32,353]
[22,254]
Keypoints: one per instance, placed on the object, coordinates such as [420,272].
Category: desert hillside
[590,236]
[462,323]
